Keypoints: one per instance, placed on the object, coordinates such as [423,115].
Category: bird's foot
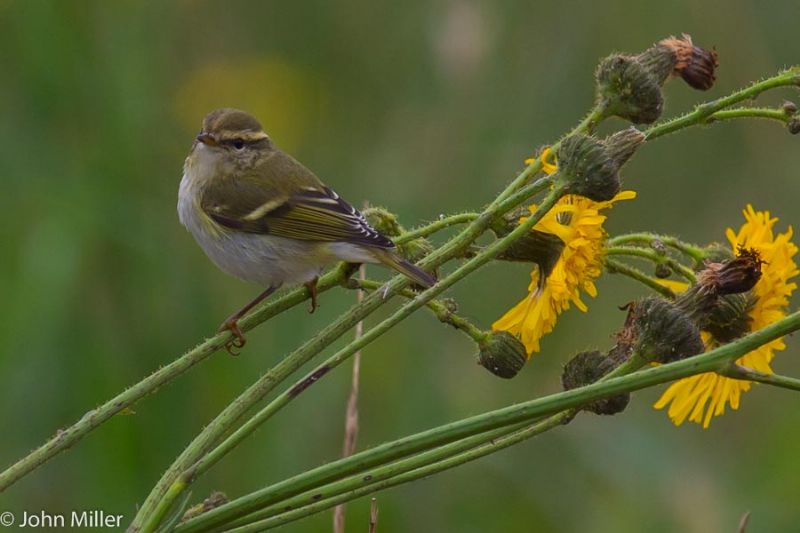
[312,290]
[237,341]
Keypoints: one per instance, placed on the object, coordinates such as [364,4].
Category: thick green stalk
[433,461]
[526,411]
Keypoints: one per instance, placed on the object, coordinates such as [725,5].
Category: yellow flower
[704,396]
[578,223]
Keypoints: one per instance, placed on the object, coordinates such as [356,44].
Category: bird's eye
[238,144]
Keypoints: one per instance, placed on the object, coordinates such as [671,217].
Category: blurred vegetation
[428,107]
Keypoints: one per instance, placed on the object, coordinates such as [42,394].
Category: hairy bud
[502,354]
[625,88]
[662,332]
[586,368]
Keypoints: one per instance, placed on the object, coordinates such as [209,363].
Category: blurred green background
[429,108]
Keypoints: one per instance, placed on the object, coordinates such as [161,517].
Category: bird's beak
[207,138]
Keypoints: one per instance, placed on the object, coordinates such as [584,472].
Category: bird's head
[232,137]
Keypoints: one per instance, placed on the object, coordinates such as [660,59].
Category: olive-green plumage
[262,216]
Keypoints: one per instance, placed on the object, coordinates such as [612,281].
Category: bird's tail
[405,267]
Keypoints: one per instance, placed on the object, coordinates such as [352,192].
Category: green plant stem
[655,257]
[433,227]
[184,477]
[702,112]
[422,465]
[734,371]
[751,112]
[526,411]
[395,474]
[692,250]
[437,307]
[618,267]
[66,438]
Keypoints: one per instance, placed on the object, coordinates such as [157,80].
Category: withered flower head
[794,126]
[695,65]
[502,354]
[586,368]
[718,279]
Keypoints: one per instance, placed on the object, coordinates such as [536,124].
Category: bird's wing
[310,213]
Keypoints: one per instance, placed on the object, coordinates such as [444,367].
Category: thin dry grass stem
[373,516]
[351,416]
[743,522]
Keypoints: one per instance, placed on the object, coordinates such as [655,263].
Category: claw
[237,340]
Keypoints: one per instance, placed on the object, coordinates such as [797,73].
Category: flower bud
[663,333]
[789,108]
[625,88]
[586,168]
[621,146]
[586,368]
[502,354]
[663,271]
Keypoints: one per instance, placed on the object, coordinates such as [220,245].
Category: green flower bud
[662,332]
[586,368]
[621,146]
[502,354]
[586,169]
[625,88]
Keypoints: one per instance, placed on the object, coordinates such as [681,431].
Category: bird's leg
[312,290]
[232,322]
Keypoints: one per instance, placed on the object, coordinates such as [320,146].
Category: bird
[263,217]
